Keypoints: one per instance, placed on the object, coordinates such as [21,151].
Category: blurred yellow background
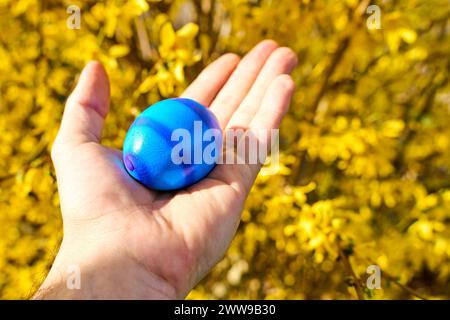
[364,177]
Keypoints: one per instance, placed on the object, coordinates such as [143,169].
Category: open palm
[130,241]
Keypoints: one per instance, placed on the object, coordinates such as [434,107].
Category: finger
[86,107]
[206,86]
[273,108]
[281,61]
[237,86]
[274,105]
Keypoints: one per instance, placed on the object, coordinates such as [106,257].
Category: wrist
[101,274]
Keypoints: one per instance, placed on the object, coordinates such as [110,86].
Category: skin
[131,242]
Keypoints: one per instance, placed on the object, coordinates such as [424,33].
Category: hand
[132,242]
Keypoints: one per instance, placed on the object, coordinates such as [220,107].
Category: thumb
[86,107]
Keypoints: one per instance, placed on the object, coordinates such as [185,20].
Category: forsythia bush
[364,177]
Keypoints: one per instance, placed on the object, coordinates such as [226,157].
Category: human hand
[132,242]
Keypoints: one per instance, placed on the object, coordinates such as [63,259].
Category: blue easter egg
[172,144]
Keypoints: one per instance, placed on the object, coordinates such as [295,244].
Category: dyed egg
[172,144]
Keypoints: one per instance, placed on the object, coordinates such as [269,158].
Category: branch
[348,266]
[402,286]
[337,56]
[425,109]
